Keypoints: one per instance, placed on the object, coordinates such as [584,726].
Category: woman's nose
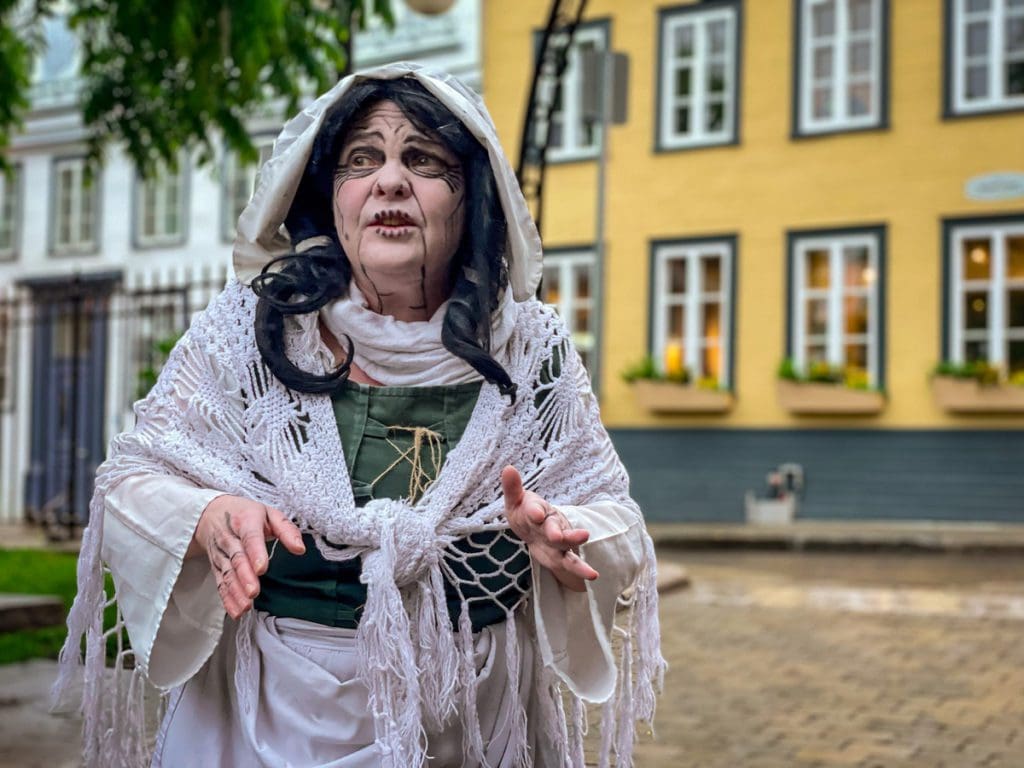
[392,180]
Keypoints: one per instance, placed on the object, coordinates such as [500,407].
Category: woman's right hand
[233,533]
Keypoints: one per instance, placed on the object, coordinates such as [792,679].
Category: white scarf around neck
[409,354]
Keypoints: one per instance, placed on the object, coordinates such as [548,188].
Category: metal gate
[75,353]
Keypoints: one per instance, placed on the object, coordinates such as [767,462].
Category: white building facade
[97,280]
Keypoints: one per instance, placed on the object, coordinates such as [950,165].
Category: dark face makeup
[398,211]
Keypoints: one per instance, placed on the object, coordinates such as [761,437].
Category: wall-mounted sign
[995,186]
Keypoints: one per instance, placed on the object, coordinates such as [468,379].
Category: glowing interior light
[673,359]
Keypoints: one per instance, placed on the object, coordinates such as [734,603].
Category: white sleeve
[170,605]
[574,628]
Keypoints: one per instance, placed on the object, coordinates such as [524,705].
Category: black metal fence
[75,353]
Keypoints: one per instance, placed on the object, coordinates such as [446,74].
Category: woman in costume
[379,397]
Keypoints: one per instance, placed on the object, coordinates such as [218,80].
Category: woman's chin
[400,260]
[394,260]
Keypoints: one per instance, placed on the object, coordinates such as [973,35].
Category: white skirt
[312,711]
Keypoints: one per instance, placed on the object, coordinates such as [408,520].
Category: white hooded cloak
[266,691]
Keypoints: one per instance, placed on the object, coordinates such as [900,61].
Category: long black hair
[300,283]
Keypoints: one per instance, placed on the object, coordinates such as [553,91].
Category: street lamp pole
[605,88]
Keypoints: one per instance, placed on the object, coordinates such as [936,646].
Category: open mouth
[392,218]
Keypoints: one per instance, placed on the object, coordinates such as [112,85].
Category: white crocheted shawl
[219,418]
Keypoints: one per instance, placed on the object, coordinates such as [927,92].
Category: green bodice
[395,441]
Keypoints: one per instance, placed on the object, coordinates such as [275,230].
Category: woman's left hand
[551,539]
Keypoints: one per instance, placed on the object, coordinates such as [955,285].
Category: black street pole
[351,14]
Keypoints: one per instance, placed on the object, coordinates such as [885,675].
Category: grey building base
[701,475]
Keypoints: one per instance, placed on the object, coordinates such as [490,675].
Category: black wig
[299,283]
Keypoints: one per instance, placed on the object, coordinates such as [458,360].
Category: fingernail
[261,562]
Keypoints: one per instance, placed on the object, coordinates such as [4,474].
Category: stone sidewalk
[780,660]
[925,671]
[30,737]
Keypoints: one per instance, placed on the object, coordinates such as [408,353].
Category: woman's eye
[427,162]
[360,160]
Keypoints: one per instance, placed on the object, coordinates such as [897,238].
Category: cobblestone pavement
[781,660]
[776,662]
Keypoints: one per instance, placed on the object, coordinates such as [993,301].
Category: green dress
[395,441]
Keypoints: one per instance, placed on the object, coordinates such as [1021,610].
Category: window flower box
[968,395]
[815,398]
[672,397]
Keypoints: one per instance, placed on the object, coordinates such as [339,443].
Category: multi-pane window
[160,208]
[692,309]
[986,43]
[986,299]
[698,77]
[568,285]
[841,77]
[835,317]
[240,183]
[573,134]
[9,214]
[75,219]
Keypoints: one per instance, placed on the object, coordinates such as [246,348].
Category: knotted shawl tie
[399,626]
[419,479]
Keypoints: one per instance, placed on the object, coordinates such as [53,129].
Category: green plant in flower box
[645,369]
[981,371]
[821,372]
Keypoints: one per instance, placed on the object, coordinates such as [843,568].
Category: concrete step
[671,576]
[18,612]
[845,535]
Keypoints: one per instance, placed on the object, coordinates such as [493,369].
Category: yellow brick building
[836,182]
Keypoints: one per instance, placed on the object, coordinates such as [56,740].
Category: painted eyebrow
[363,136]
[420,139]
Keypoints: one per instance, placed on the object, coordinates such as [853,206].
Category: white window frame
[10,212]
[841,78]
[566,262]
[571,118]
[161,184]
[234,173]
[699,65]
[997,334]
[836,337]
[83,206]
[695,296]
[996,59]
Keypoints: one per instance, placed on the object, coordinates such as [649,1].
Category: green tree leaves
[163,77]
